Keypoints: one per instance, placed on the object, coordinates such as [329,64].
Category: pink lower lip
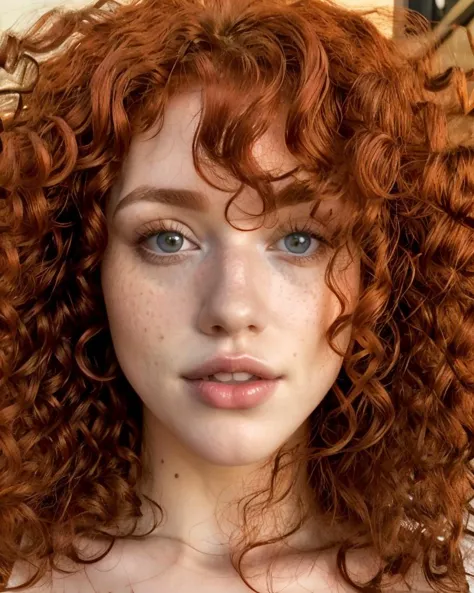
[233,396]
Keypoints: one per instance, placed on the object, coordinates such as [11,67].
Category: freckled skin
[232,295]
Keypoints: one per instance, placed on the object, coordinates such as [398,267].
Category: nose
[232,296]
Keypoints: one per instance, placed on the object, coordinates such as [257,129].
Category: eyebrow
[180,197]
[296,192]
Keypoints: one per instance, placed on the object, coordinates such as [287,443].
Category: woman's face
[197,288]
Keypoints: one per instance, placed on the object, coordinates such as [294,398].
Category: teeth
[224,377]
[242,376]
[231,377]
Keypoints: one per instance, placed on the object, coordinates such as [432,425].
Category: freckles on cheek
[145,315]
[128,304]
[318,307]
[148,317]
[317,311]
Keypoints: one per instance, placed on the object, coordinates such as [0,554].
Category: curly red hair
[391,445]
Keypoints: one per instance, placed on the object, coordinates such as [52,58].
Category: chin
[234,458]
[233,448]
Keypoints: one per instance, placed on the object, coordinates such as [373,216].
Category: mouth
[230,378]
[227,369]
[233,383]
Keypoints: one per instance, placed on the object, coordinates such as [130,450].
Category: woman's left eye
[299,242]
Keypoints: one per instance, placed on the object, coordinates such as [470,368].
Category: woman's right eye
[163,242]
[168,241]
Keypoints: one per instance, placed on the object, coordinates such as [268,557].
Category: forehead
[180,123]
[165,160]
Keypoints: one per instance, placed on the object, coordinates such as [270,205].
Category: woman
[236,304]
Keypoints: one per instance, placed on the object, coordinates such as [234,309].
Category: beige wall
[18,14]
[21,13]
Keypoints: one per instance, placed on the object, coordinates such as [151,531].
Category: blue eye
[160,243]
[298,242]
[169,241]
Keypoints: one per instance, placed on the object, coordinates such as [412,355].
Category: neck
[200,499]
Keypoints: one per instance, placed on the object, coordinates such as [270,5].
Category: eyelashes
[153,229]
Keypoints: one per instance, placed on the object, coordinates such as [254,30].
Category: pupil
[299,242]
[170,241]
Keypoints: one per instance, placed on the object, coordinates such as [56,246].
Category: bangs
[262,70]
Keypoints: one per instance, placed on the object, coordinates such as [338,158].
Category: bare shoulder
[363,565]
[76,580]
[54,582]
[128,568]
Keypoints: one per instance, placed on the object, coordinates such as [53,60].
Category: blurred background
[18,14]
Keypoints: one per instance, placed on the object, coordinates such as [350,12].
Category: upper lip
[233,364]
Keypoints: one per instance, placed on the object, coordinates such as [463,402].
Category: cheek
[142,315]
[304,307]
[310,311]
